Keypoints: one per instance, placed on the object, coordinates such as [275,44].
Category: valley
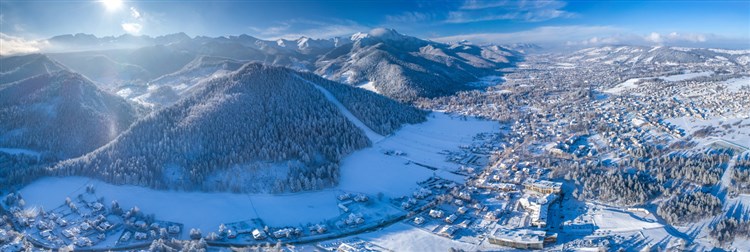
[374,142]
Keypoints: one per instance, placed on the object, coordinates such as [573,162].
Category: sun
[111,5]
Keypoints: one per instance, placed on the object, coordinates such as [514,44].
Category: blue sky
[572,23]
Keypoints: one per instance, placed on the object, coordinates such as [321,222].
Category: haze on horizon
[556,23]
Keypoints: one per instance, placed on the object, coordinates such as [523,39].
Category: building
[448,231]
[543,186]
[520,239]
[538,208]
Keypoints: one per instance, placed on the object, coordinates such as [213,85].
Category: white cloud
[408,17]
[132,28]
[542,35]
[134,13]
[16,45]
[296,28]
[653,38]
[523,10]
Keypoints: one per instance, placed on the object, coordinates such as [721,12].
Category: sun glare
[111,5]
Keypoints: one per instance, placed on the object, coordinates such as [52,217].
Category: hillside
[60,113]
[270,124]
[15,68]
[660,55]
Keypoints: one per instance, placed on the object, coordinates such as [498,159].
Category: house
[419,220]
[173,229]
[448,231]
[436,213]
[451,218]
[462,210]
[258,235]
[140,236]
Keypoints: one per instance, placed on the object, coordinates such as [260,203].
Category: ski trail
[372,135]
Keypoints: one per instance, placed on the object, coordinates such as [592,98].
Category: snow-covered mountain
[281,129]
[60,113]
[396,65]
[405,67]
[168,88]
[659,55]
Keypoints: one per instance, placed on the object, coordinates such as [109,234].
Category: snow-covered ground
[737,83]
[738,131]
[686,76]
[369,171]
[370,86]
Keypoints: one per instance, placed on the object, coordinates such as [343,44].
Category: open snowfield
[686,76]
[617,220]
[368,171]
[738,133]
[736,83]
[403,237]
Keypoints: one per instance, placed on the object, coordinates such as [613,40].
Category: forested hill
[256,119]
[60,114]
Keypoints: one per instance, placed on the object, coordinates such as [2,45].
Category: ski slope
[374,137]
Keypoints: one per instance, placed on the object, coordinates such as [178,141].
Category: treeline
[689,207]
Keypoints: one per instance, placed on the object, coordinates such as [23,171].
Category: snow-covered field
[738,131]
[369,171]
[736,83]
[686,76]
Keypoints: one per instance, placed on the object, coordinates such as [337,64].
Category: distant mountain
[659,55]
[61,113]
[167,89]
[89,42]
[259,128]
[398,66]
[15,68]
[405,67]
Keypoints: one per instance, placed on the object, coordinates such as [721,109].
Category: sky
[723,24]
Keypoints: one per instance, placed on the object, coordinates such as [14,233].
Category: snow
[734,135]
[403,237]
[369,86]
[194,209]
[619,88]
[616,220]
[368,171]
[374,137]
[16,151]
[735,84]
[686,76]
[371,171]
